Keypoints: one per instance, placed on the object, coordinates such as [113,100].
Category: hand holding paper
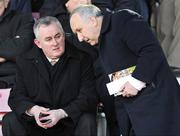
[116,86]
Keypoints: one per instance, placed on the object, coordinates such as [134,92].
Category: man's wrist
[30,111]
[63,113]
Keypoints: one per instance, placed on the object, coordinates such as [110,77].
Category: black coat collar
[106,22]
[105,26]
[35,56]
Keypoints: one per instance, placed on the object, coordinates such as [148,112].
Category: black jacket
[15,38]
[72,89]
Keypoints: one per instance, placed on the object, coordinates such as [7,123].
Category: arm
[142,42]
[18,99]
[86,101]
[149,55]
[20,41]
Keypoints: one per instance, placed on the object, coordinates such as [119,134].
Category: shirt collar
[50,60]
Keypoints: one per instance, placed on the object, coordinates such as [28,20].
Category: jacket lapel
[36,58]
[42,69]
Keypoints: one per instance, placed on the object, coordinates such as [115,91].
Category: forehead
[49,30]
[76,21]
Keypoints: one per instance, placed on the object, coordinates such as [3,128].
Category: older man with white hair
[148,102]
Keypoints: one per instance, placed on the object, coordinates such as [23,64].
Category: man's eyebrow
[49,37]
[58,34]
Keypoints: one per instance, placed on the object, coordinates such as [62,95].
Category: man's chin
[93,43]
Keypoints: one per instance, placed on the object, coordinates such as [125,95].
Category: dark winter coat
[16,36]
[127,40]
[72,88]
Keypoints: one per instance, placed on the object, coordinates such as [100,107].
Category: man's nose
[54,42]
[80,37]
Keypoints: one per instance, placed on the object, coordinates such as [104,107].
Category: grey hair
[87,11]
[46,21]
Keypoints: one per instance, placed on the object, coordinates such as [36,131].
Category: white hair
[87,11]
[46,21]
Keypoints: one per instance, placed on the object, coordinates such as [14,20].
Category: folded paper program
[118,79]
[117,85]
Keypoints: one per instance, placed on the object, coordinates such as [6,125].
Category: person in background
[168,31]
[49,6]
[36,5]
[26,6]
[57,86]
[149,100]
[15,38]
[21,6]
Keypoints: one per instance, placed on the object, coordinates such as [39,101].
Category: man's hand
[2,60]
[54,116]
[128,90]
[35,111]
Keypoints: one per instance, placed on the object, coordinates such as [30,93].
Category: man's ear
[37,42]
[94,21]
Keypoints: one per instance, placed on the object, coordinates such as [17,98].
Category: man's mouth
[55,49]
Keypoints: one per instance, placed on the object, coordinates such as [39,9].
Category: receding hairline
[46,21]
[86,10]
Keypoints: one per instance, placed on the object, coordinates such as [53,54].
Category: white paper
[4,95]
[117,85]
